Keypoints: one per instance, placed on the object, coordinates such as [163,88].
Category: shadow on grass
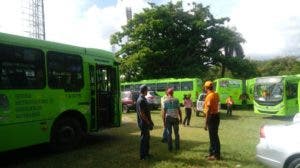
[116,147]
[280,118]
[223,116]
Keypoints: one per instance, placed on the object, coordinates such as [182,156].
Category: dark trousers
[172,123]
[188,113]
[229,110]
[213,122]
[165,135]
[144,142]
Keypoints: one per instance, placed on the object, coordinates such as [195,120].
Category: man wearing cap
[172,118]
[212,120]
[144,122]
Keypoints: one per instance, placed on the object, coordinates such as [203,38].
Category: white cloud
[268,26]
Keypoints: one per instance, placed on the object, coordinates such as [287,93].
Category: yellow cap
[208,84]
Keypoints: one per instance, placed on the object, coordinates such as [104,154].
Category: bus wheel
[67,134]
[125,109]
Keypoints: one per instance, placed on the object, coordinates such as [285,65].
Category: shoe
[211,158]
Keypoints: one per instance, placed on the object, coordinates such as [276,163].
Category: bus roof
[48,45]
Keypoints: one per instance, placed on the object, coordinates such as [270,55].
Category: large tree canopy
[167,41]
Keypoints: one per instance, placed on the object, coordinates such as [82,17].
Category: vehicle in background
[200,103]
[53,92]
[226,87]
[277,95]
[250,90]
[279,145]
[181,86]
[128,99]
[153,100]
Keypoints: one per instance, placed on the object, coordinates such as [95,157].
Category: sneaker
[211,158]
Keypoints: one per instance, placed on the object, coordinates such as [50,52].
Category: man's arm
[180,115]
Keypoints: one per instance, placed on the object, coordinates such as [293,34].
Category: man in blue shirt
[144,122]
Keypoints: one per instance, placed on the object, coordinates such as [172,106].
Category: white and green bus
[57,93]
[181,86]
[277,95]
[226,87]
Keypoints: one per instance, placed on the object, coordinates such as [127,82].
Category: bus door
[292,98]
[103,88]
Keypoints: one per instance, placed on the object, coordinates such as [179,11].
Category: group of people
[172,117]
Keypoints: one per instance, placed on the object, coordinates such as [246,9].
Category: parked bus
[51,92]
[226,87]
[277,95]
[181,86]
[250,90]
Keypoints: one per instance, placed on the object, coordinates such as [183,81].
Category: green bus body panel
[287,107]
[196,82]
[250,90]
[28,118]
[234,89]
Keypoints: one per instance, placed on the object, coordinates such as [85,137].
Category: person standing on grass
[144,122]
[165,131]
[172,118]
[212,120]
[229,103]
[188,104]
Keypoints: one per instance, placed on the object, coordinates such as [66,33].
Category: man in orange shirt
[229,103]
[212,120]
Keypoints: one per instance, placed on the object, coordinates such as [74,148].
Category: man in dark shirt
[144,122]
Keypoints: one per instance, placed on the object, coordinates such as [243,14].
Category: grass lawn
[119,147]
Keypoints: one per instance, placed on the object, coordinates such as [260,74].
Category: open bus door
[104,88]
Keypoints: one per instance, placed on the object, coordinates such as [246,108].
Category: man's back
[171,106]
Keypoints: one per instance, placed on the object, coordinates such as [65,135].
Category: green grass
[119,147]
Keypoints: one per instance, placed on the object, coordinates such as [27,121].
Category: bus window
[175,85]
[291,90]
[64,71]
[152,86]
[21,68]
[162,86]
[185,86]
[127,88]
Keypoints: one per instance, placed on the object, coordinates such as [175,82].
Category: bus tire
[67,134]
[125,108]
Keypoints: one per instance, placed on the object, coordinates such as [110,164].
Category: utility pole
[35,19]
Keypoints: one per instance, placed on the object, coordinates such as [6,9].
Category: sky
[271,28]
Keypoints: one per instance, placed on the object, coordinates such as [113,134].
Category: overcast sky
[270,27]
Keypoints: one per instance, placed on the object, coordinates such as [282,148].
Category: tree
[279,66]
[226,43]
[166,41]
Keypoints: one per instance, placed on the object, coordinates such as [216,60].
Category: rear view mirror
[296,118]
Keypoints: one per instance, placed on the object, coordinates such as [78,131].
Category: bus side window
[185,86]
[291,90]
[21,68]
[64,71]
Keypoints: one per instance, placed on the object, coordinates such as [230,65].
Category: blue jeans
[144,142]
[172,122]
[165,134]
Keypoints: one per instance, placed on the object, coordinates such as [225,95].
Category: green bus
[57,93]
[277,95]
[181,86]
[250,90]
[226,87]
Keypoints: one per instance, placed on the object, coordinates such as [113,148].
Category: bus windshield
[268,91]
